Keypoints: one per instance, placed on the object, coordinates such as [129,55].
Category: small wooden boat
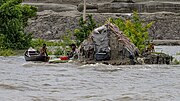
[33,55]
[61,59]
[57,60]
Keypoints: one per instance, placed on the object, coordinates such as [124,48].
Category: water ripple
[28,81]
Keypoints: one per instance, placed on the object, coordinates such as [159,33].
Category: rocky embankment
[56,17]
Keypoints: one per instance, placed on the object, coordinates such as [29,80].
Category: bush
[135,29]
[66,41]
[86,27]
[7,52]
[13,19]
[59,51]
[39,43]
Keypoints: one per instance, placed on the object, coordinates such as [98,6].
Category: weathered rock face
[51,25]
[108,6]
[121,0]
[150,7]
[155,0]
[89,1]
[63,15]
[53,7]
[74,2]
[165,25]
[92,7]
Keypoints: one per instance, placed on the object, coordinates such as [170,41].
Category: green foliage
[58,51]
[135,30]
[176,62]
[60,47]
[13,20]
[66,42]
[178,53]
[67,39]
[39,43]
[7,52]
[2,1]
[86,27]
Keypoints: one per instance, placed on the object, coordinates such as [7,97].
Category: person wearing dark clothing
[43,51]
[73,54]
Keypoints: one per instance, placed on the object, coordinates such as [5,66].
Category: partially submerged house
[109,45]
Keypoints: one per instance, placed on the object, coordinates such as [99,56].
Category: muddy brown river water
[28,81]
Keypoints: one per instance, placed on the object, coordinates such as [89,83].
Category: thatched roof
[122,38]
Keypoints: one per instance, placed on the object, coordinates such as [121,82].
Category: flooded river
[28,81]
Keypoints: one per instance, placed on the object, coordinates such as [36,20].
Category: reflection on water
[28,81]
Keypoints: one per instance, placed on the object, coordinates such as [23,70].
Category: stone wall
[53,7]
[74,2]
[166,25]
[52,25]
[156,0]
[90,1]
[56,19]
[149,7]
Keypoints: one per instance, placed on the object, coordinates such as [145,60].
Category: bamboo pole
[84,11]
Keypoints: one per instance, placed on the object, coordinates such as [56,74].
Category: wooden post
[84,12]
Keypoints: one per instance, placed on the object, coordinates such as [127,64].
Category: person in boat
[73,53]
[43,51]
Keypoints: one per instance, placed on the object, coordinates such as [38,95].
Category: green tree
[86,27]
[13,20]
[135,29]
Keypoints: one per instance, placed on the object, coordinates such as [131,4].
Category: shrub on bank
[86,27]
[13,20]
[135,29]
[39,43]
[58,47]
[7,52]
